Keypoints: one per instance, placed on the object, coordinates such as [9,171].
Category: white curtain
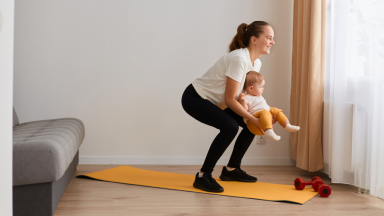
[353,135]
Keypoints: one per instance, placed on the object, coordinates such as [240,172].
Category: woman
[212,100]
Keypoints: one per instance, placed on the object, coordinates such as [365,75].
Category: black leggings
[226,121]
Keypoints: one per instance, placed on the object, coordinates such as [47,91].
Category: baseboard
[180,160]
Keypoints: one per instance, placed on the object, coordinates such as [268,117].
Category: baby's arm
[243,101]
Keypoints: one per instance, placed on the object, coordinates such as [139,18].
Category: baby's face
[256,89]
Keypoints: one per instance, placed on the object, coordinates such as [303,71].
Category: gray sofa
[45,156]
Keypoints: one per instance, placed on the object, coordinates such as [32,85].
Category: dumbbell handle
[308,182]
[300,184]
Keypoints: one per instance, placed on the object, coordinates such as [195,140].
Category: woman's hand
[274,119]
[256,121]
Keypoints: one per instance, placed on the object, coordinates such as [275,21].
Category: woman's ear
[253,40]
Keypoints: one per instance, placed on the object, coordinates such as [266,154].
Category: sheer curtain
[353,124]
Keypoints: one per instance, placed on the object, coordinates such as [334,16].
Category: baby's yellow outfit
[258,107]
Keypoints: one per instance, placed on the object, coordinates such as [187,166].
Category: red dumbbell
[317,185]
[300,183]
[324,190]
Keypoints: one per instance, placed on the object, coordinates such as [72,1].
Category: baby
[257,106]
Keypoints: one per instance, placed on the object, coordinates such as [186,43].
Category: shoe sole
[226,178]
[199,186]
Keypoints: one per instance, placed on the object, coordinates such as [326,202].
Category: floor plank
[88,197]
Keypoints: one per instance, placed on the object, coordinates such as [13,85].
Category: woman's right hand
[256,121]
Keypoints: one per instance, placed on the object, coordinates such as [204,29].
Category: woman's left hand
[274,119]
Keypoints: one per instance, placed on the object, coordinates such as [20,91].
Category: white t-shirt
[255,104]
[236,65]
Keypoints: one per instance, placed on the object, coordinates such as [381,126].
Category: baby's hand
[242,97]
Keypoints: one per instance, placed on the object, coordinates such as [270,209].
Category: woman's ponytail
[244,34]
[237,41]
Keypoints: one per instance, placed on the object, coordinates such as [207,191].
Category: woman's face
[265,41]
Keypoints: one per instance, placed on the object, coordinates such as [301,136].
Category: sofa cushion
[15,118]
[43,150]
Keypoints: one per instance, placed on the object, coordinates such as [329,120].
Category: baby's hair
[252,78]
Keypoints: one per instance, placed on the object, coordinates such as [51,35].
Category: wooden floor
[92,198]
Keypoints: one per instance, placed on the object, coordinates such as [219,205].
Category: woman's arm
[231,89]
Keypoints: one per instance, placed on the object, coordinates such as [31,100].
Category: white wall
[122,66]
[6,86]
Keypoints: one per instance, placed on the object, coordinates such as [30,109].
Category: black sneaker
[236,175]
[207,183]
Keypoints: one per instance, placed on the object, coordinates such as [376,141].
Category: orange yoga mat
[183,182]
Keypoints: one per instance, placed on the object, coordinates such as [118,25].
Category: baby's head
[254,83]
